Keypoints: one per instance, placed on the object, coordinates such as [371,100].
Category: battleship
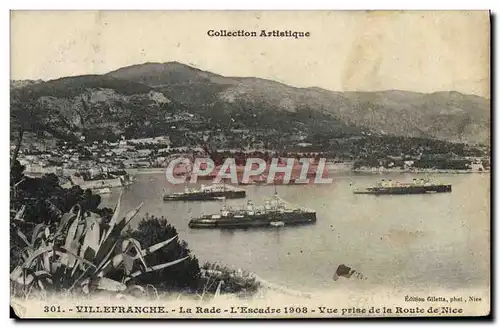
[420,186]
[275,213]
[260,180]
[213,192]
[263,180]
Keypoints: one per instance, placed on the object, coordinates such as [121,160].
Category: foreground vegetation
[62,242]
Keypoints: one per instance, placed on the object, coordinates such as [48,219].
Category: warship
[213,192]
[418,186]
[262,180]
[275,213]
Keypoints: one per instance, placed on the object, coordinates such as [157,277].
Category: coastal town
[97,158]
[152,137]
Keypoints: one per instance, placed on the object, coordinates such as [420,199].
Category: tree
[24,117]
[42,196]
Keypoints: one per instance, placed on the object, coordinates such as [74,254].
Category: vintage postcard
[250,164]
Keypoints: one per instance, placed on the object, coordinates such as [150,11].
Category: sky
[423,51]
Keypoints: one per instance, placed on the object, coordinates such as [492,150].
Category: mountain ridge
[443,115]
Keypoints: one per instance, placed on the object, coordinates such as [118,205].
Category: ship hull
[404,190]
[208,196]
[254,221]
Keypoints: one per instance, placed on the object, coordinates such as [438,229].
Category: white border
[190,5]
[256,4]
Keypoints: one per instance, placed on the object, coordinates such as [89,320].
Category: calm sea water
[432,240]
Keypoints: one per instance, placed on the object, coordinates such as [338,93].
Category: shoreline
[329,168]
[420,171]
[343,169]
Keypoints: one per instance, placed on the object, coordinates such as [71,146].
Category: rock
[346,272]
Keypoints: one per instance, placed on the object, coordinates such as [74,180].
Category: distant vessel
[275,213]
[420,186]
[259,180]
[214,192]
[262,180]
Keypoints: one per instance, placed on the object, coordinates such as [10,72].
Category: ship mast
[189,172]
[276,197]
[224,193]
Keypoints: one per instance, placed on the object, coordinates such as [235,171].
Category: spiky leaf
[36,231]
[155,247]
[91,241]
[155,268]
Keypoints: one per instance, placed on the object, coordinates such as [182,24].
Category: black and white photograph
[250,164]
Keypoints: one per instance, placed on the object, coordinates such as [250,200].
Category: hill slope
[450,116]
[92,105]
[137,99]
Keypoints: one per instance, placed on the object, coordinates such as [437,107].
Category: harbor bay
[392,240]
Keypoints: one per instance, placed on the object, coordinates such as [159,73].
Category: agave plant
[81,253]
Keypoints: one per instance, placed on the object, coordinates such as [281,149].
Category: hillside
[92,105]
[73,86]
[137,99]
[16,84]
[450,116]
